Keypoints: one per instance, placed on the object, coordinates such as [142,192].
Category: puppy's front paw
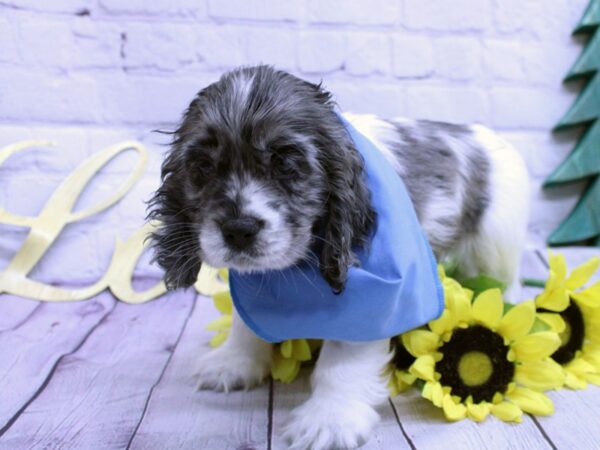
[324,424]
[225,369]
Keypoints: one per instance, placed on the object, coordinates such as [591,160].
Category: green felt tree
[583,223]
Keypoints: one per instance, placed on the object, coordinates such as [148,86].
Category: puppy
[260,160]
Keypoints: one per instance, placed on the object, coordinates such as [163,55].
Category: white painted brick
[71,149]
[514,107]
[373,12]
[163,46]
[60,6]
[554,23]
[321,51]
[532,145]
[549,207]
[221,47]
[44,42]
[96,44]
[458,58]
[37,96]
[272,46]
[548,64]
[289,10]
[412,56]
[23,200]
[368,53]
[195,8]
[447,15]
[8,37]
[146,99]
[451,104]
[503,60]
[374,98]
[514,15]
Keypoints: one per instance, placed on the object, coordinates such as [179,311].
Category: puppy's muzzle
[240,233]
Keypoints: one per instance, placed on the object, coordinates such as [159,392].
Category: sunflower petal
[553,320]
[218,339]
[572,381]
[488,308]
[443,324]
[517,321]
[284,370]
[580,367]
[420,342]
[223,302]
[478,411]
[286,348]
[558,265]
[581,274]
[589,297]
[508,412]
[593,378]
[457,301]
[432,391]
[540,375]
[535,346]
[219,324]
[301,350]
[556,299]
[453,411]
[424,368]
[531,401]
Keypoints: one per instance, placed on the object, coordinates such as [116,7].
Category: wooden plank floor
[101,374]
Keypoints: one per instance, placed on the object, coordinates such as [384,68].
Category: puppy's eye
[200,169]
[283,166]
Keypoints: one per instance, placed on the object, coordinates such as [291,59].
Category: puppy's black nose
[241,233]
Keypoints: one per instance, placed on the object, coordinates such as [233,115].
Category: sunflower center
[475,368]
[474,363]
[572,337]
[402,359]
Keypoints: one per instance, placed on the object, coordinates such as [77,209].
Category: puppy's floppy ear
[349,215]
[175,241]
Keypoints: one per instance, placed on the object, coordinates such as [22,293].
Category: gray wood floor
[103,374]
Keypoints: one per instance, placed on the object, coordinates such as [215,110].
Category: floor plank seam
[270,414]
[162,373]
[404,433]
[29,316]
[543,432]
[47,380]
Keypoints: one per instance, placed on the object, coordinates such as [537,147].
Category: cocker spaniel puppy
[262,172]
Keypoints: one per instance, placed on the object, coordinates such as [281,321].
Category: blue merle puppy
[260,160]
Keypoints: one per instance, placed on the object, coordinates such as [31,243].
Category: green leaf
[482,283]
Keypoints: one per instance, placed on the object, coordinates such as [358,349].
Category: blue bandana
[395,289]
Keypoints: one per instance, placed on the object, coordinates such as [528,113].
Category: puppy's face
[254,187]
[259,168]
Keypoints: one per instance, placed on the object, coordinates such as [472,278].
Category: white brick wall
[88,73]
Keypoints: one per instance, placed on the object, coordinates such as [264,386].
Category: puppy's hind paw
[222,370]
[327,424]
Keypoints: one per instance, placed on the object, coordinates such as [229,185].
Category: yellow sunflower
[481,357]
[574,312]
[223,302]
[401,378]
[289,356]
